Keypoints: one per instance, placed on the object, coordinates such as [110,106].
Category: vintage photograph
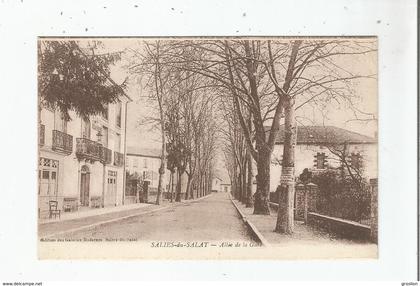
[208,148]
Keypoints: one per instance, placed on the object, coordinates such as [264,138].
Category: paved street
[211,219]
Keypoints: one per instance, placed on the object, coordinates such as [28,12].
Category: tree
[270,80]
[74,78]
[147,63]
[234,67]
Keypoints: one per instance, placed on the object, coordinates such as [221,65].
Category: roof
[143,152]
[325,134]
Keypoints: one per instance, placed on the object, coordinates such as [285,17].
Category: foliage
[134,183]
[71,79]
[340,196]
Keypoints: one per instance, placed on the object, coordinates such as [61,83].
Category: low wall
[341,227]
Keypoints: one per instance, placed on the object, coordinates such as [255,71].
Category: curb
[85,227]
[250,225]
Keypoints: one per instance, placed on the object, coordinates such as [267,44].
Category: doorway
[84,186]
[111,192]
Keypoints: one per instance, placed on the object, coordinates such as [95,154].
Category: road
[211,219]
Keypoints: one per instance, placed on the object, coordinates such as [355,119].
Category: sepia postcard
[207,148]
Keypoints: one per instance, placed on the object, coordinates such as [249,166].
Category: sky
[335,114]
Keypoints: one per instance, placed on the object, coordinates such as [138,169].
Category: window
[135,163]
[104,136]
[117,142]
[105,114]
[48,183]
[320,161]
[45,175]
[118,113]
[145,163]
[59,123]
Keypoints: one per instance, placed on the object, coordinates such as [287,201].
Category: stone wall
[340,227]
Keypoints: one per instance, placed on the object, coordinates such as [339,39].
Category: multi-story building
[320,147]
[81,162]
[145,162]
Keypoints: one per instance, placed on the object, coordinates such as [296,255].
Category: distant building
[216,184]
[225,187]
[145,163]
[313,151]
[81,162]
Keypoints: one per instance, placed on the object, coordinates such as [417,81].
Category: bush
[340,196]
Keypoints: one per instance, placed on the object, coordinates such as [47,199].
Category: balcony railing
[118,159]
[88,149]
[41,135]
[106,156]
[62,142]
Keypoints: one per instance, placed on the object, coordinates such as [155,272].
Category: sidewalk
[95,217]
[86,218]
[307,242]
[92,212]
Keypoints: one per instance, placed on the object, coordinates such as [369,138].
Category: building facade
[81,162]
[319,148]
[225,187]
[216,184]
[144,163]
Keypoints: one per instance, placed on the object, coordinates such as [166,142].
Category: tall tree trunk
[285,215]
[196,189]
[209,183]
[249,201]
[187,192]
[172,186]
[162,127]
[244,184]
[161,173]
[239,198]
[203,181]
[263,182]
[192,195]
[178,187]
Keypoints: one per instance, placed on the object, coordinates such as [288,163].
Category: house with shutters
[81,162]
[321,147]
[144,163]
